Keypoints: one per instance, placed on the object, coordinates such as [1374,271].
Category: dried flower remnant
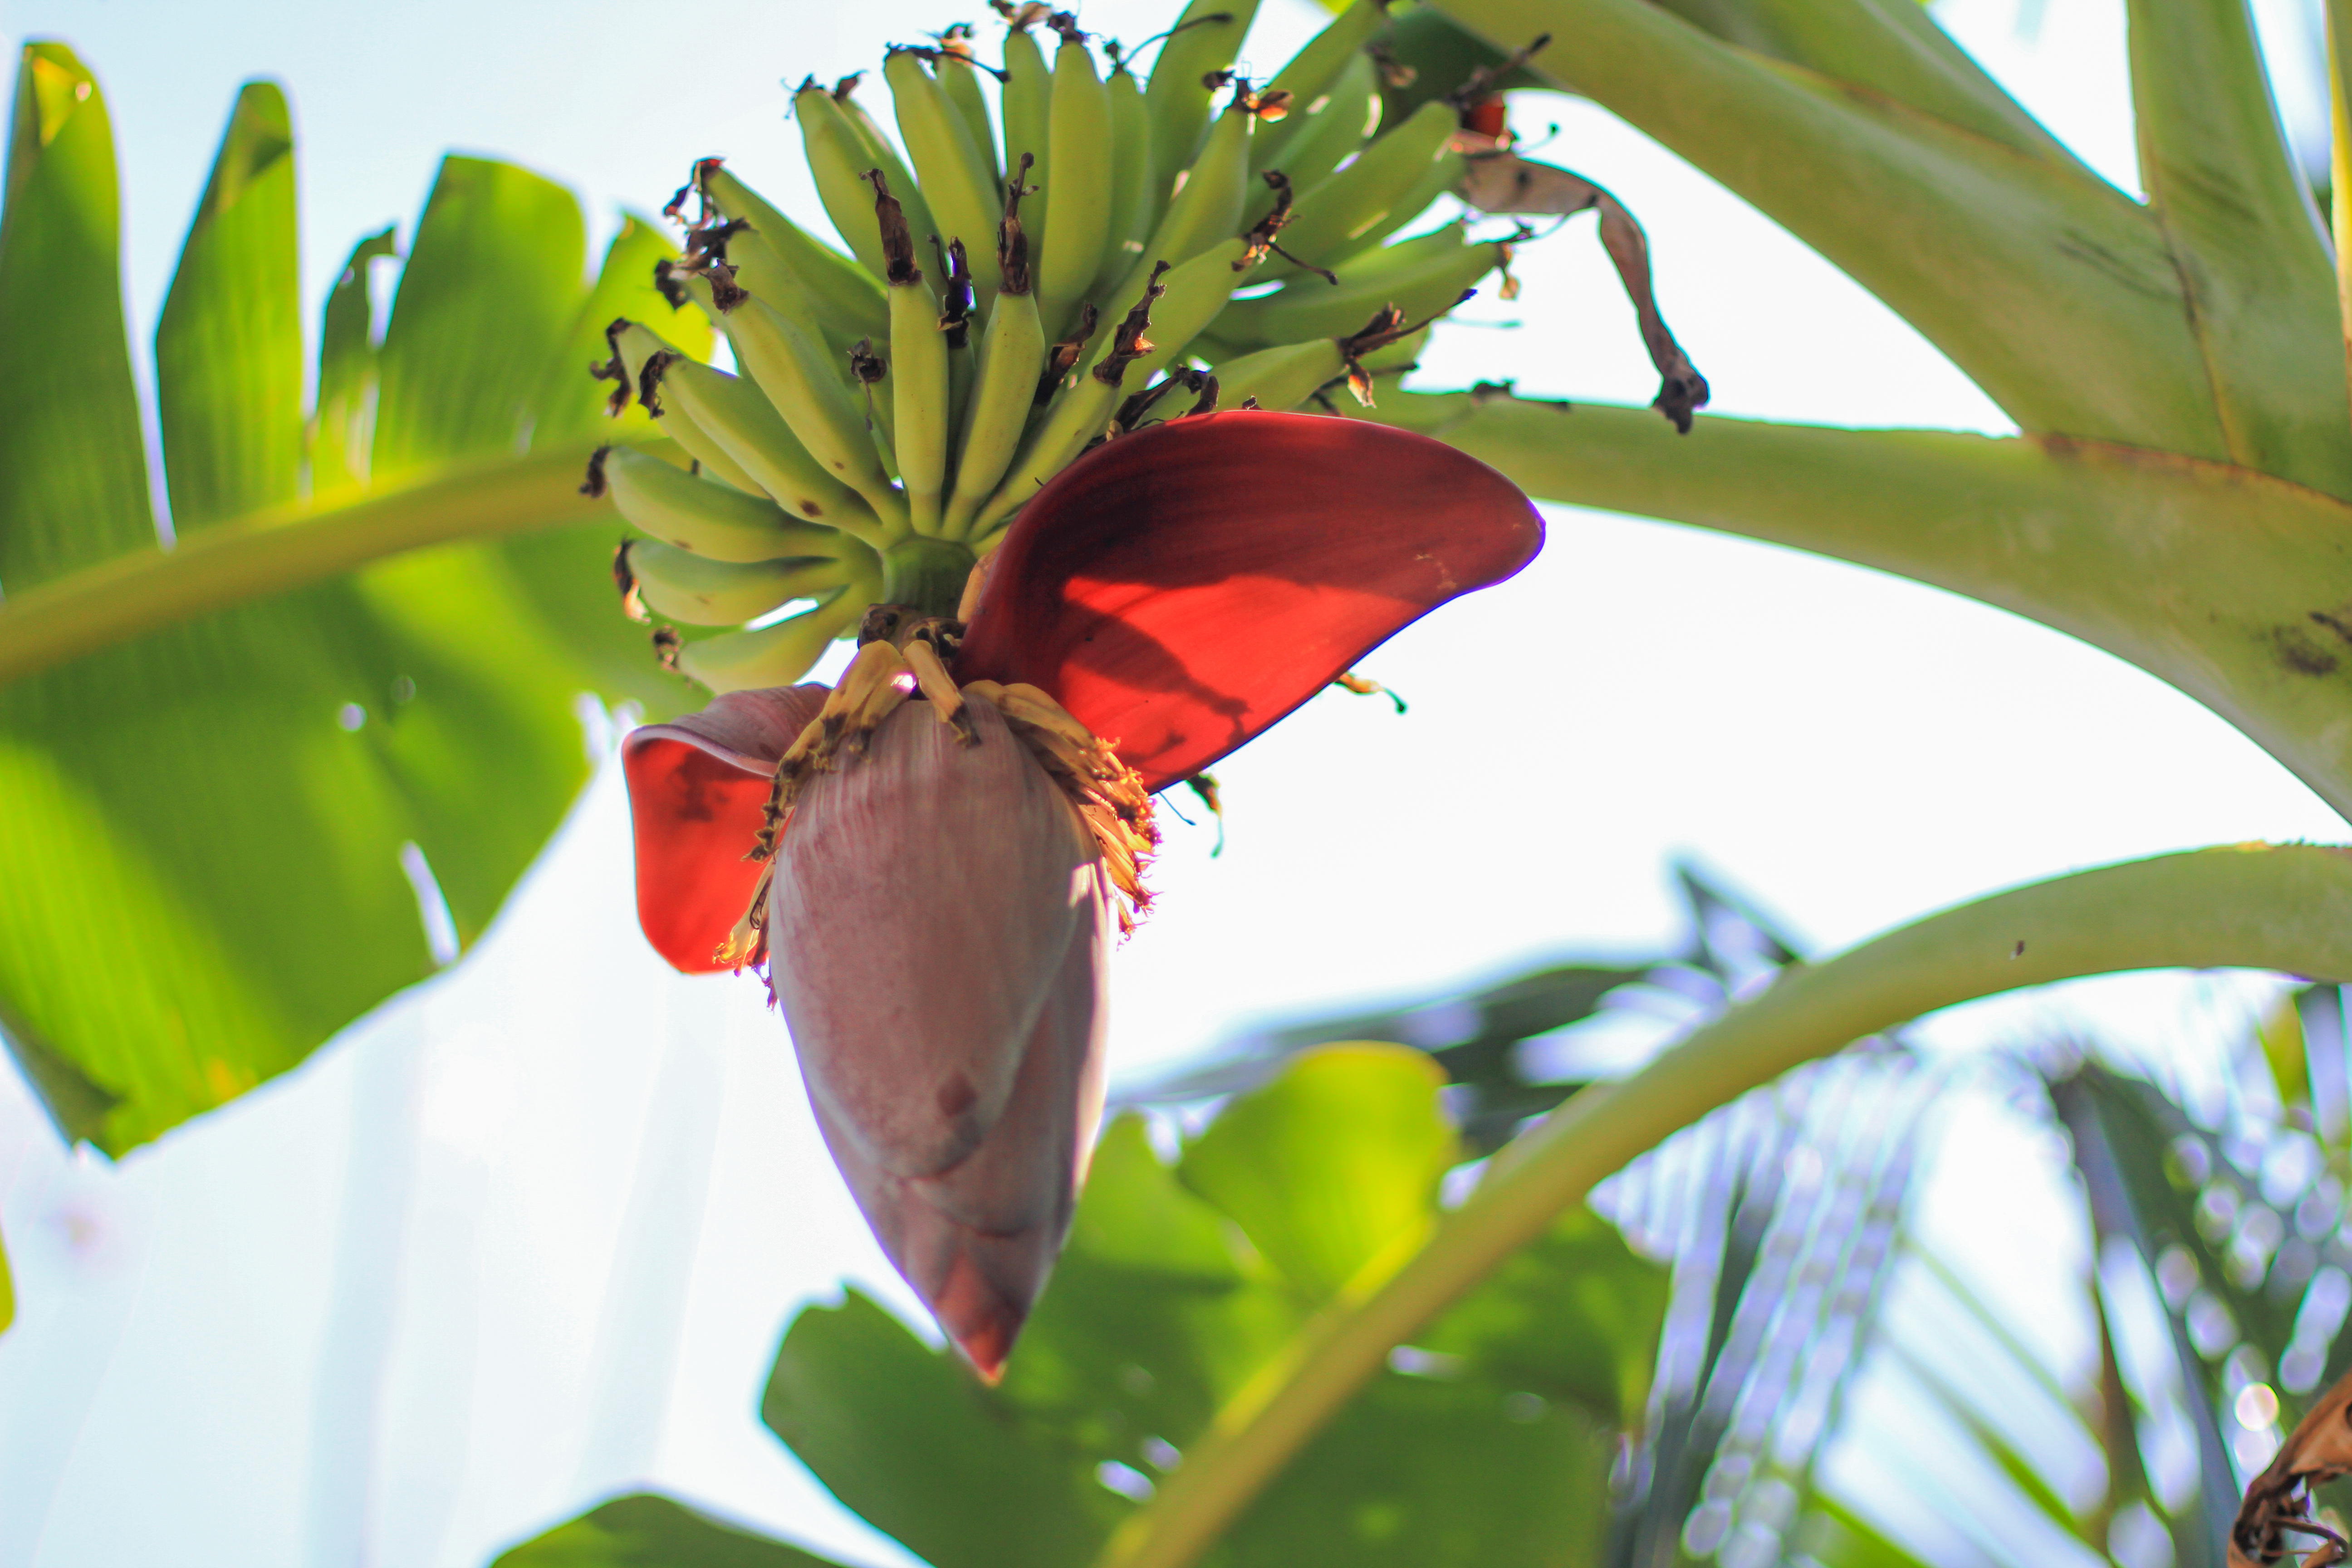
[2275,1519]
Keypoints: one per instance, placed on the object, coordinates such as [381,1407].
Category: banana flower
[934,854]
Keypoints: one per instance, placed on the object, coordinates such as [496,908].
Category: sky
[528,1234]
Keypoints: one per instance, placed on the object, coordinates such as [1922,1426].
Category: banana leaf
[230,836]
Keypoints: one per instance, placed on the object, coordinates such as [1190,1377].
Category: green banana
[959,78]
[1208,210]
[1311,76]
[705,593]
[1191,296]
[1078,197]
[1280,378]
[837,160]
[1134,211]
[1428,286]
[1012,355]
[881,153]
[799,378]
[1178,96]
[1075,417]
[1332,221]
[963,194]
[922,414]
[714,521]
[634,347]
[889,478]
[844,291]
[1336,127]
[781,654]
[732,412]
[1028,102]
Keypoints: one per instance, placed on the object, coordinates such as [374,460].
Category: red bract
[940,896]
[1182,588]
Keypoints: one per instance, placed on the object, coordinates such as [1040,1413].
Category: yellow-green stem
[2254,906]
[286,548]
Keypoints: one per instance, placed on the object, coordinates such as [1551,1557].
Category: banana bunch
[1017,287]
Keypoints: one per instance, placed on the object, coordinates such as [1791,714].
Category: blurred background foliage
[1659,1381]
[230,836]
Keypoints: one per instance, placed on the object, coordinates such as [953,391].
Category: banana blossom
[935,852]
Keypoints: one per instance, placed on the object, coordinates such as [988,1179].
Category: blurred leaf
[2280,1036]
[2122,1132]
[648,1531]
[206,866]
[1571,1315]
[73,468]
[1332,1166]
[1493,1446]
[1437,1472]
[343,429]
[486,306]
[7,1290]
[625,288]
[1837,1537]
[228,351]
[907,1438]
[1996,1447]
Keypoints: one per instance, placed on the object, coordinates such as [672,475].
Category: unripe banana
[1134,210]
[634,346]
[1208,210]
[781,654]
[837,160]
[959,80]
[961,193]
[1028,100]
[742,420]
[1311,74]
[1075,417]
[1192,296]
[704,593]
[844,291]
[1310,308]
[1078,200]
[1331,221]
[922,414]
[713,520]
[1179,96]
[1280,378]
[882,152]
[1335,128]
[1012,357]
[799,378]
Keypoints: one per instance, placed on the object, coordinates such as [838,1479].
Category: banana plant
[241,750]
[2177,493]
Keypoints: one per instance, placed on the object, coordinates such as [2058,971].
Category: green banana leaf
[229,837]
[1489,1441]
[644,1530]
